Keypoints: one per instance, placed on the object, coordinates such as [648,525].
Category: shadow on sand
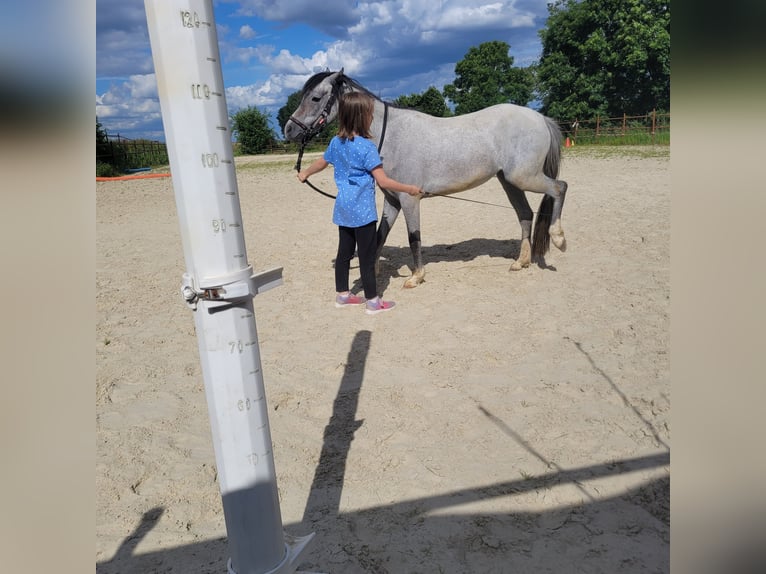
[628,533]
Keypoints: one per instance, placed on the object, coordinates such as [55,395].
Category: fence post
[598,123]
[654,123]
[624,123]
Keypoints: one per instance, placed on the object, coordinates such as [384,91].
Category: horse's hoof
[560,242]
[413,282]
[518,266]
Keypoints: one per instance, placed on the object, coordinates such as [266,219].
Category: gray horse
[518,145]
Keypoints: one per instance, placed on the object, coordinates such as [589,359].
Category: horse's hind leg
[548,224]
[555,230]
[524,213]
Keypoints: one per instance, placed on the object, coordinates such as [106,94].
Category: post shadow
[529,448]
[366,532]
[624,398]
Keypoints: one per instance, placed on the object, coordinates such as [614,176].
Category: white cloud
[143,86]
[394,47]
[372,15]
[302,10]
[130,105]
[246,32]
[286,63]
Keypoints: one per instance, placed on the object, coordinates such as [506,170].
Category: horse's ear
[336,76]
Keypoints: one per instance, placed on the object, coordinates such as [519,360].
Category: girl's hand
[415,190]
[301,177]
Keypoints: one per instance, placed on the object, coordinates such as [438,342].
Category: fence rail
[120,154]
[651,128]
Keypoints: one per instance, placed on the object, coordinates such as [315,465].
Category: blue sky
[269,48]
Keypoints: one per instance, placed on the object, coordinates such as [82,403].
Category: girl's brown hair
[355,115]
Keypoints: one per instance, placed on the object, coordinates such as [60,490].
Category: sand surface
[495,421]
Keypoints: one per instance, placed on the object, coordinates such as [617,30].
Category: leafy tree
[430,102]
[110,159]
[102,140]
[284,113]
[605,57]
[487,76]
[253,131]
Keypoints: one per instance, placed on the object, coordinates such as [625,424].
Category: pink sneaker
[350,299]
[376,306]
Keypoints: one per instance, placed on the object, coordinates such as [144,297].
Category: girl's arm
[318,165]
[391,184]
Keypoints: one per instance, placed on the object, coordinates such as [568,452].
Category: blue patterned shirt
[353,161]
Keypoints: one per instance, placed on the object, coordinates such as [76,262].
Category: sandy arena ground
[495,421]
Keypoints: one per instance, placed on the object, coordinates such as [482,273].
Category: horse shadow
[423,535]
[392,259]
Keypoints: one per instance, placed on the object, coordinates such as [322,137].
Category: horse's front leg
[411,207]
[391,208]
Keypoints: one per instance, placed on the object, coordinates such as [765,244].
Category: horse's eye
[315,99]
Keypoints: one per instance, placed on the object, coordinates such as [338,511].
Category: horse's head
[318,107]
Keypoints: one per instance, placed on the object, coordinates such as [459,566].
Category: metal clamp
[217,290]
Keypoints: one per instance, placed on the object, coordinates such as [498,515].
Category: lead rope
[307,137]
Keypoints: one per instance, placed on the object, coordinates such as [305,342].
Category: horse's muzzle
[293,132]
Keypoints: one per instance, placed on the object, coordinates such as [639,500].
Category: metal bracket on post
[231,289]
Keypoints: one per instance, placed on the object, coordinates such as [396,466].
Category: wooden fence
[125,154]
[651,128]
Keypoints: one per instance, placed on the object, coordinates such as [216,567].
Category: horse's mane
[317,79]
[314,81]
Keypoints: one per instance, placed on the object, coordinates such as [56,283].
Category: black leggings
[364,240]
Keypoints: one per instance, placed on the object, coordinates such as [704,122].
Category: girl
[357,167]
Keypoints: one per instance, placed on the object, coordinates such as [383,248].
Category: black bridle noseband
[310,132]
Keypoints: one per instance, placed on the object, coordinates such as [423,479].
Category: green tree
[430,102]
[487,76]
[284,113]
[105,158]
[102,140]
[605,57]
[253,131]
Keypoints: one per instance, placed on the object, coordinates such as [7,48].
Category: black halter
[309,132]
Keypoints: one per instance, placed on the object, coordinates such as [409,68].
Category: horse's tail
[541,239]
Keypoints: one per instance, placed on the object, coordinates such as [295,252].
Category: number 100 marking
[200,91]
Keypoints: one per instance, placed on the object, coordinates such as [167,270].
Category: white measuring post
[219,284]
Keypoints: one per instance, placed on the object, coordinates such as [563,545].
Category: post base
[295,547]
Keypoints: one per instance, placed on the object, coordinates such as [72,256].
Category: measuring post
[219,284]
